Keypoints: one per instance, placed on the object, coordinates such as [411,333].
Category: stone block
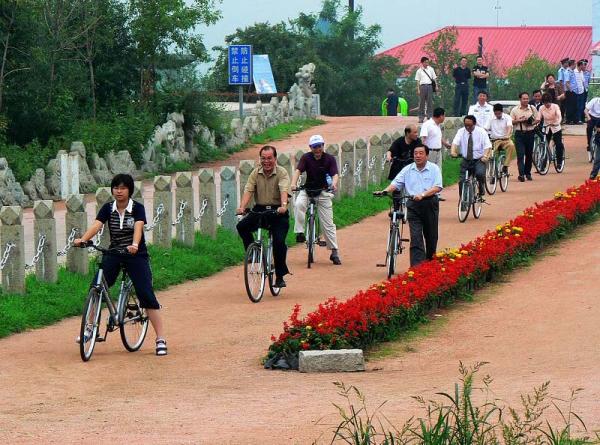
[340,360]
[162,232]
[44,224]
[362,164]
[104,196]
[184,193]
[347,169]
[208,192]
[245,169]
[229,192]
[76,219]
[13,233]
[137,192]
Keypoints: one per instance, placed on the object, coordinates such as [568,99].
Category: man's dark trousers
[279,225]
[461,97]
[423,223]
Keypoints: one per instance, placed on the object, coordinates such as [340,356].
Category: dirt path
[211,388]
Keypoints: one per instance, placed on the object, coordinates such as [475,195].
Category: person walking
[269,185]
[579,92]
[426,86]
[592,113]
[431,135]
[321,182]
[474,146]
[571,97]
[400,153]
[461,75]
[126,219]
[587,76]
[524,118]
[482,110]
[500,129]
[480,77]
[423,181]
[536,100]
[562,79]
[392,103]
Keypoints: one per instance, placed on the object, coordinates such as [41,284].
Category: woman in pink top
[551,116]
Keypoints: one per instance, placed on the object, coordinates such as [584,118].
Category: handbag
[433,84]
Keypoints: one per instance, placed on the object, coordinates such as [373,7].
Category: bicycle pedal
[404,240]
[380,265]
[100,339]
[321,243]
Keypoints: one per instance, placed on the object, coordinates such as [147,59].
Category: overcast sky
[403,20]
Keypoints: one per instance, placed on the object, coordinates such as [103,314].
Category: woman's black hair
[123,179]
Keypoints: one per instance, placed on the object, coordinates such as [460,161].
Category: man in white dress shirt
[474,145]
[423,181]
[500,129]
[482,111]
[425,77]
[431,135]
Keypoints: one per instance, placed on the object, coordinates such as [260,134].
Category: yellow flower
[517,235]
[439,254]
[404,282]
[507,230]
[410,273]
[458,255]
[443,269]
[498,228]
[464,252]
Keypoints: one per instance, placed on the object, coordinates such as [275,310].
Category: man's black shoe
[335,259]
[441,199]
[529,178]
[521,179]
[279,282]
[300,238]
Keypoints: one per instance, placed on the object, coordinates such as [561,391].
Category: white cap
[316,139]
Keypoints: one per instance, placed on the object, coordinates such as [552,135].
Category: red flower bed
[387,308]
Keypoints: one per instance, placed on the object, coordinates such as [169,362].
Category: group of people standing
[574,79]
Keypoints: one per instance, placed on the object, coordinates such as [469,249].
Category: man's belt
[434,149]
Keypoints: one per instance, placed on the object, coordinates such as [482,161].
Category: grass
[47,303]
[282,131]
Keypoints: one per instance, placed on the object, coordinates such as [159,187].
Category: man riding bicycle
[126,219]
[475,147]
[592,113]
[500,128]
[321,180]
[269,184]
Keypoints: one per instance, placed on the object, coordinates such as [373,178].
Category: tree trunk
[92,86]
[5,55]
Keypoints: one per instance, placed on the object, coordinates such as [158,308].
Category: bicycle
[544,152]
[312,227]
[469,197]
[258,262]
[398,219]
[494,172]
[126,315]
[592,148]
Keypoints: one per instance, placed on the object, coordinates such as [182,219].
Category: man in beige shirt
[524,118]
[269,184]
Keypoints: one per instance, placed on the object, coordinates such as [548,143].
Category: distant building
[510,45]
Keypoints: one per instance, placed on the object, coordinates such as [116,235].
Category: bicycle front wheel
[392,252]
[502,175]
[543,164]
[490,177]
[254,272]
[591,150]
[90,323]
[464,201]
[133,321]
[477,205]
[311,239]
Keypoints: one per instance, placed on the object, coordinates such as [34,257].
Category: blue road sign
[240,64]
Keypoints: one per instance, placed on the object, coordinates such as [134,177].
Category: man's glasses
[314,147]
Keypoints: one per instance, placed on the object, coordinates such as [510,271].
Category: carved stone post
[334,150]
[386,142]
[285,161]
[185,194]
[246,168]
[76,218]
[297,156]
[137,192]
[229,190]
[347,169]
[376,157]
[208,192]
[13,234]
[163,199]
[103,196]
[44,224]
[362,164]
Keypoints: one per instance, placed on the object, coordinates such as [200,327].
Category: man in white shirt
[425,77]
[500,129]
[482,111]
[423,181]
[474,145]
[431,135]
[592,113]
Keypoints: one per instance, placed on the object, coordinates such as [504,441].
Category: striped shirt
[121,225]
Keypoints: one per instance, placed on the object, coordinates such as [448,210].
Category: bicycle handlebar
[113,250]
[303,187]
[391,195]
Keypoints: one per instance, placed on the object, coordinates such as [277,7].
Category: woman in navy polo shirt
[126,219]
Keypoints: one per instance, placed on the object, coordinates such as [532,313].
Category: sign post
[240,70]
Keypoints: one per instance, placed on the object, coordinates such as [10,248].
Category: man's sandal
[161,346]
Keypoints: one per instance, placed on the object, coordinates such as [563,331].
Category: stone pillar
[285,160]
[347,169]
[208,191]
[362,164]
[386,142]
[229,190]
[138,187]
[12,232]
[297,156]
[163,198]
[376,157]
[46,268]
[77,259]
[69,173]
[246,168]
[334,150]
[184,231]
[103,196]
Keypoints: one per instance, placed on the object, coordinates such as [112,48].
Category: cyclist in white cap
[321,181]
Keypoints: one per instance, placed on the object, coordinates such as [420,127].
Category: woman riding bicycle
[126,219]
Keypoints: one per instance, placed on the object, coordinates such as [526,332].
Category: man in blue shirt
[562,79]
[423,181]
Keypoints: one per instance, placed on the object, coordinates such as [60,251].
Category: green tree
[161,27]
[527,76]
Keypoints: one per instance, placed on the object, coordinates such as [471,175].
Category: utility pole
[351,5]
[497,8]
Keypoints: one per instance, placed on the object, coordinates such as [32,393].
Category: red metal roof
[511,45]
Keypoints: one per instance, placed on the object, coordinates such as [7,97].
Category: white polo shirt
[593,107]
[481,142]
[498,128]
[483,113]
[422,78]
[433,133]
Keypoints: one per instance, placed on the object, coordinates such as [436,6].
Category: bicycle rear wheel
[311,239]
[490,176]
[392,252]
[591,149]
[90,323]
[502,176]
[254,272]
[464,201]
[133,321]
